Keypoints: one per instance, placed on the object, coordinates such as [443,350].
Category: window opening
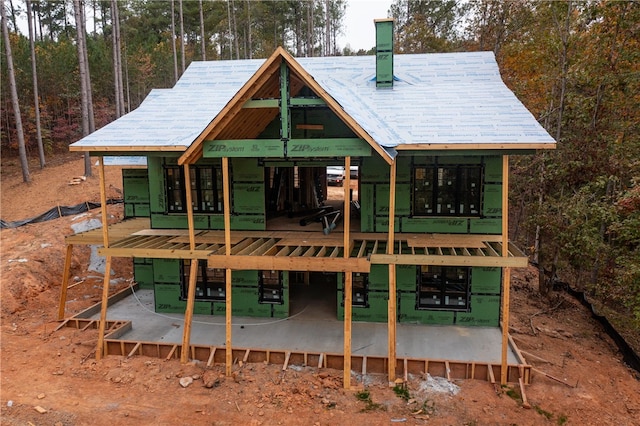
[270,287]
[206,189]
[210,283]
[359,290]
[447,190]
[443,287]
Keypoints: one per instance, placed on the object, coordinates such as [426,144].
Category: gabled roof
[438,101]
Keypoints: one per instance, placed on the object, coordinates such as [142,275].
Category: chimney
[384,52]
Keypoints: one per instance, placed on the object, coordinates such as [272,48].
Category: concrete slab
[307,330]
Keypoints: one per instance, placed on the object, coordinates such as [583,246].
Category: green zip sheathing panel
[493,169]
[167,300]
[384,53]
[486,280]
[247,170]
[407,312]
[375,311]
[247,194]
[135,186]
[374,196]
[143,275]
[403,199]
[166,271]
[485,311]
[379,278]
[406,278]
[485,226]
[244,293]
[435,225]
[243,148]
[382,224]
[248,198]
[157,199]
[337,147]
[492,200]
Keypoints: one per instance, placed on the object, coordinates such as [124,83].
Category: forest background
[574,64]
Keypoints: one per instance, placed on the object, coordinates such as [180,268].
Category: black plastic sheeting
[628,354]
[56,212]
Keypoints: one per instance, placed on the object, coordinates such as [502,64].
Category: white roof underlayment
[448,99]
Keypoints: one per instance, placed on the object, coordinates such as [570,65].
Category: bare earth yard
[52,378]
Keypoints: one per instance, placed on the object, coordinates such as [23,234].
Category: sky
[359,31]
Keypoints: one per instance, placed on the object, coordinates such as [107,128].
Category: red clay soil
[52,378]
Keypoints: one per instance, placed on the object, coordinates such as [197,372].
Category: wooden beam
[348,296]
[227,242]
[333,104]
[100,349]
[103,202]
[435,259]
[128,149]
[473,146]
[391,305]
[346,216]
[187,184]
[188,315]
[233,107]
[288,263]
[65,282]
[506,272]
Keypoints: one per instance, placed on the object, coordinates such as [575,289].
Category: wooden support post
[391,312]
[346,217]
[193,272]
[171,352]
[188,315]
[227,242]
[189,200]
[103,309]
[506,272]
[348,276]
[65,282]
[103,202]
[348,296]
[100,350]
[212,354]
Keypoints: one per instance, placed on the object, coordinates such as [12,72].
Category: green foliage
[401,391]
[365,396]
[542,412]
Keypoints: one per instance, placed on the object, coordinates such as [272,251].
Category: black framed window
[443,287]
[270,287]
[359,290]
[206,189]
[447,190]
[210,283]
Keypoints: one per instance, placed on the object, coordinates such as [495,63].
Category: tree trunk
[36,100]
[173,41]
[235,29]
[182,58]
[250,42]
[564,69]
[230,33]
[203,46]
[14,99]
[117,59]
[82,68]
[327,35]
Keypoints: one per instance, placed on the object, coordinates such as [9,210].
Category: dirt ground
[52,378]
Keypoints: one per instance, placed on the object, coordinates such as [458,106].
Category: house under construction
[232,217]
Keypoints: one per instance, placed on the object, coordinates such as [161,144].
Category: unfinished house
[373,187]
